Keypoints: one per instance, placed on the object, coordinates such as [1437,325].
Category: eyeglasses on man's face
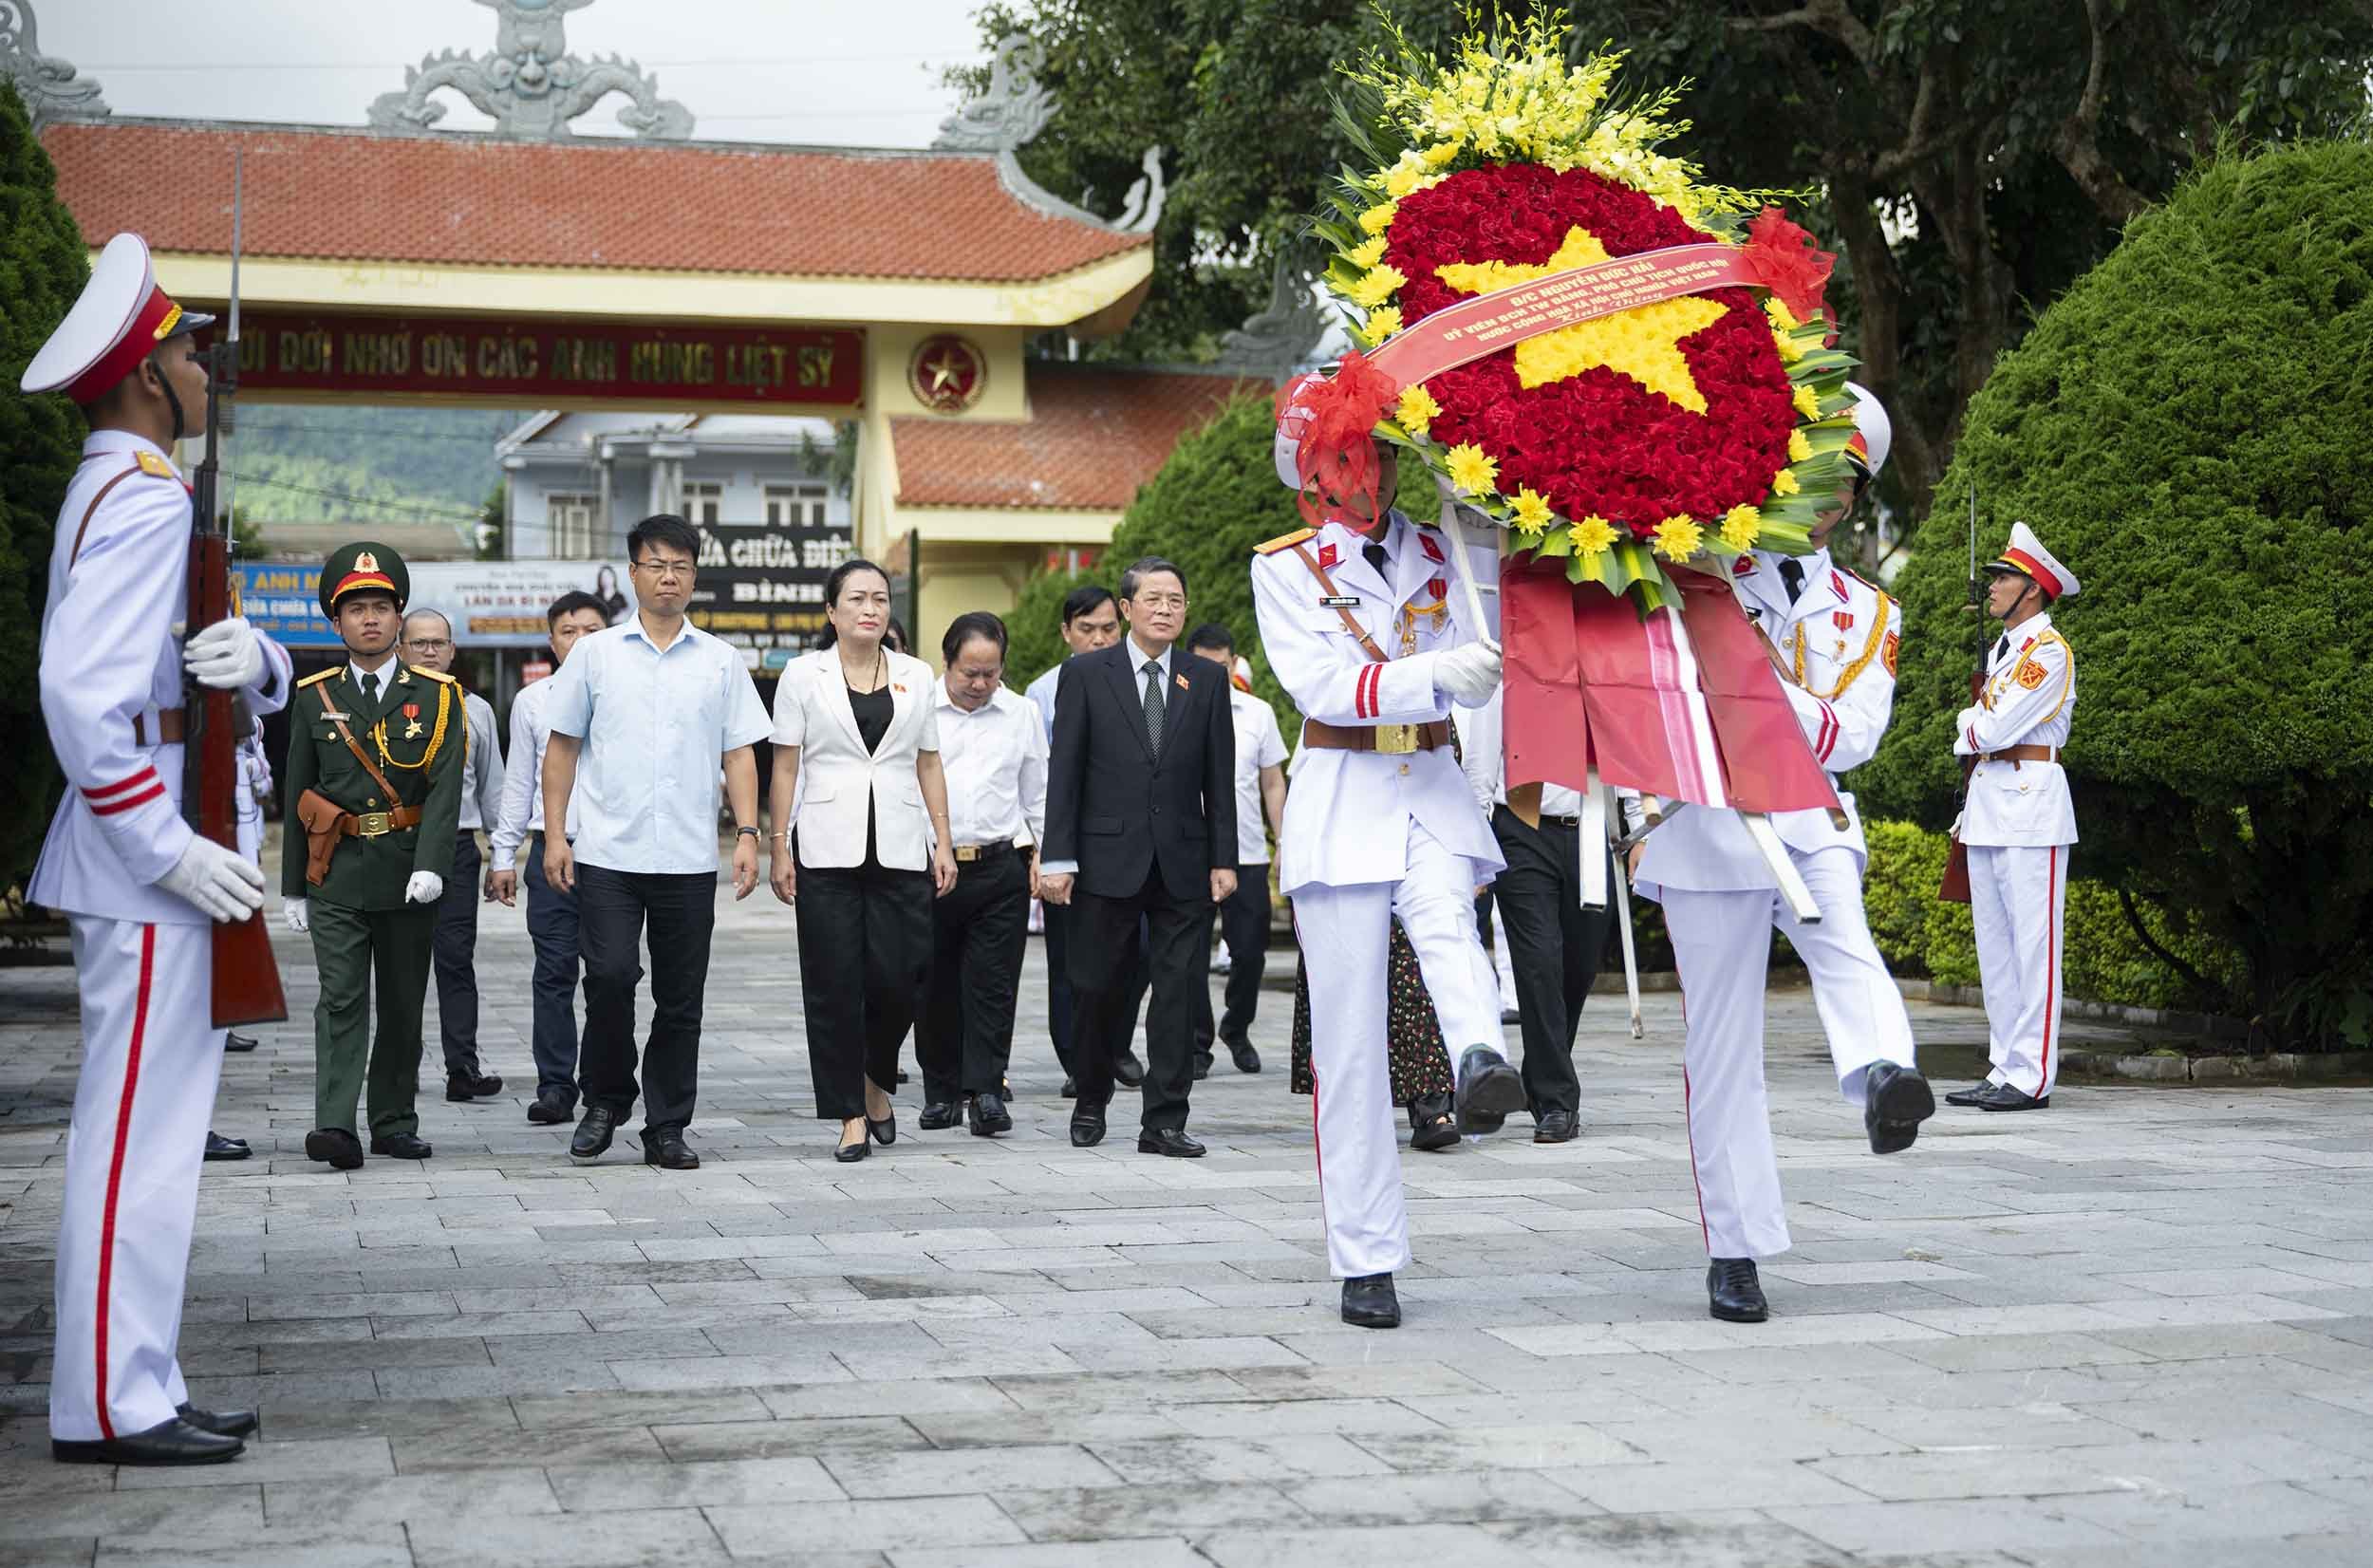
[664,570]
[428,645]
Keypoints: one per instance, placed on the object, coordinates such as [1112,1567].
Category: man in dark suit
[1141,822]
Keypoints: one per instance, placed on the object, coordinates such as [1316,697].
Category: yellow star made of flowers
[1643,342]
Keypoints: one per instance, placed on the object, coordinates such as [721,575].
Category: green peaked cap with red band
[363,568]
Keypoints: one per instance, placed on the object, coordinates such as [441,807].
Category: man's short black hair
[1138,572]
[979,623]
[1211,635]
[572,602]
[1085,600]
[663,527]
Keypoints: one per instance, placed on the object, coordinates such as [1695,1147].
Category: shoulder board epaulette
[317,677]
[430,674]
[1285,541]
[152,464]
[1857,577]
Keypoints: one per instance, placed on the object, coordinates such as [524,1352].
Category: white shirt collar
[1137,659]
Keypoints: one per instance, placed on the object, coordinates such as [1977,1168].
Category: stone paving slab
[2135,1330]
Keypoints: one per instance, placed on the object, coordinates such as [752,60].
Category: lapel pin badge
[1182,683]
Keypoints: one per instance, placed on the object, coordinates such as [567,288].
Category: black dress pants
[1555,945]
[1243,922]
[613,907]
[864,963]
[552,930]
[1062,1002]
[964,1037]
[455,950]
[1178,931]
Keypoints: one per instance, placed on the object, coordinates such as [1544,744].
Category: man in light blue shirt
[650,706]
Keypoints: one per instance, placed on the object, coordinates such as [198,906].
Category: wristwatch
[751,832]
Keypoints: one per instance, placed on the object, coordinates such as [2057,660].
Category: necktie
[1376,558]
[1153,705]
[370,688]
[1792,573]
[2001,650]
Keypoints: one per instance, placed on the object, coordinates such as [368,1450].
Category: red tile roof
[352,194]
[1093,436]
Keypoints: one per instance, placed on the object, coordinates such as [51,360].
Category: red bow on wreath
[1332,422]
[1784,260]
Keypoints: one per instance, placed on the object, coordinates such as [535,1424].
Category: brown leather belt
[173,726]
[1373,737]
[2016,755]
[378,824]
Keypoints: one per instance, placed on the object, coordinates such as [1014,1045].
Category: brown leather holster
[320,817]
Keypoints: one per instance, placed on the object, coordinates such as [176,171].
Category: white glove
[424,887]
[223,885]
[1469,673]
[227,656]
[298,913]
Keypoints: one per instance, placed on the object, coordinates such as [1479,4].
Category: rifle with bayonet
[247,985]
[1955,889]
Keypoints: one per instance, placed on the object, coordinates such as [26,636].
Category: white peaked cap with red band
[1289,432]
[2025,555]
[120,319]
[1874,433]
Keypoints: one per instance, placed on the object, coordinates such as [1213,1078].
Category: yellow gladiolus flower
[1799,448]
[1367,254]
[1417,407]
[1532,510]
[1472,472]
[1376,287]
[1376,220]
[1441,153]
[1593,536]
[1678,537]
[1740,525]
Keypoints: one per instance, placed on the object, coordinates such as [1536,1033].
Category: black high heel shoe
[883,1131]
[852,1153]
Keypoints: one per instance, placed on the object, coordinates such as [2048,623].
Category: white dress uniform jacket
[1842,633]
[840,781]
[2030,698]
[1370,799]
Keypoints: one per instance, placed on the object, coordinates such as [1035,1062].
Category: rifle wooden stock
[1955,889]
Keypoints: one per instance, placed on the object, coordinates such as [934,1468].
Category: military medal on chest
[412,720]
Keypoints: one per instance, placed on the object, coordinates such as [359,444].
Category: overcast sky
[842,72]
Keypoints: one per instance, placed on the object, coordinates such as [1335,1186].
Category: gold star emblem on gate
[946,373]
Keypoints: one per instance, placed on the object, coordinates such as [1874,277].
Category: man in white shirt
[993,749]
[551,911]
[1553,941]
[428,645]
[651,706]
[1244,919]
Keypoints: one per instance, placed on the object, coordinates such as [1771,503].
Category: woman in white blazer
[860,844]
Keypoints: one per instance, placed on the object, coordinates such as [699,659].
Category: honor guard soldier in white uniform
[1365,627]
[2018,824]
[137,885]
[1832,638]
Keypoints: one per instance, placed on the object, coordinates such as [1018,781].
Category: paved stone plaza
[2134,1330]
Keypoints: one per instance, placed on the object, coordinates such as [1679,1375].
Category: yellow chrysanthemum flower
[1678,537]
[1366,253]
[1783,483]
[1532,510]
[1806,404]
[1472,472]
[1376,220]
[1740,525]
[1378,286]
[1404,176]
[1799,448]
[1593,536]
[1790,350]
[1382,323]
[1418,408]
[1782,319]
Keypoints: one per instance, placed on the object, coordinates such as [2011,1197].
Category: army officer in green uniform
[374,793]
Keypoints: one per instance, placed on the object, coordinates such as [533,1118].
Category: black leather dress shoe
[1894,1101]
[665,1146]
[1975,1095]
[335,1147]
[471,1086]
[233,1040]
[1488,1088]
[1169,1142]
[173,1441]
[850,1154]
[221,1148]
[599,1125]
[987,1116]
[938,1115]
[1087,1125]
[1732,1292]
[551,1107]
[400,1145]
[2007,1098]
[1431,1126]
[1129,1070]
[1247,1059]
[1369,1302]
[221,1423]
[1203,1065]
[1555,1127]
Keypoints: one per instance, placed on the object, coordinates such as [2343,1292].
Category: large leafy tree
[1971,157]
[42,268]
